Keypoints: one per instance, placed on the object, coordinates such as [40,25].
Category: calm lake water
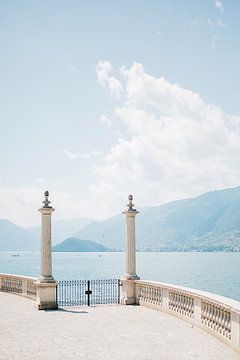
[215,272]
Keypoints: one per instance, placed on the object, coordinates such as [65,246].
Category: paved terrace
[101,333]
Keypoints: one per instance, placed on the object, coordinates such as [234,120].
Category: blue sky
[71,125]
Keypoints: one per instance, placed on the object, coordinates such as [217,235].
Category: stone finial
[46,202]
[130,204]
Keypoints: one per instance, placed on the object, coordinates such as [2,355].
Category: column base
[46,296]
[130,277]
[128,295]
[46,279]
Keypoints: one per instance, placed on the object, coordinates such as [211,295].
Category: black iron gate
[88,292]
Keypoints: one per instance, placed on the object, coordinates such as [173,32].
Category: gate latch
[88,292]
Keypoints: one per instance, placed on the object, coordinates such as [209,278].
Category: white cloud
[218,5]
[217,23]
[20,205]
[172,145]
[177,145]
[70,155]
[104,69]
[220,23]
[82,156]
[105,120]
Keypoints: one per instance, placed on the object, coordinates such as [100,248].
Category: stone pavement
[101,333]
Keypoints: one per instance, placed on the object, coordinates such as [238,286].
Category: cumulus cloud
[105,120]
[176,145]
[172,145]
[20,205]
[216,23]
[104,69]
[82,156]
[219,5]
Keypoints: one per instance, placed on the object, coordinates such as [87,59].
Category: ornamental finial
[46,202]
[130,204]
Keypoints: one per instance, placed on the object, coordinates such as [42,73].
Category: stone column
[46,284]
[128,286]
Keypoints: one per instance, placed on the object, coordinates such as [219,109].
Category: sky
[100,99]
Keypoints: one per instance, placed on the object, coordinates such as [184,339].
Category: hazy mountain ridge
[15,238]
[79,245]
[209,222]
[61,229]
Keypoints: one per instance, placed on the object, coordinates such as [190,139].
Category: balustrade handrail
[231,304]
[20,277]
[19,284]
[215,314]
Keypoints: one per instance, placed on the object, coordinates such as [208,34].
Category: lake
[215,272]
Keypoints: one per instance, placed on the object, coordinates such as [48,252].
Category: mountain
[208,222]
[14,238]
[109,233]
[75,245]
[61,229]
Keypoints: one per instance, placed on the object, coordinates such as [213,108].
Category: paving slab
[101,333]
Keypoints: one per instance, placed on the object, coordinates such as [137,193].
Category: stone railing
[216,314]
[18,284]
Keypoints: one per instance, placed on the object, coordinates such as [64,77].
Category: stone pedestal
[46,296]
[127,280]
[46,284]
[128,292]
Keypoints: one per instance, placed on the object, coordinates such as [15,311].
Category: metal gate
[88,292]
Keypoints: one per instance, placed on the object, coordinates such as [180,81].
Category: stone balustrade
[216,314]
[22,285]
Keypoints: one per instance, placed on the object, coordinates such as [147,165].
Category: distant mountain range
[75,245]
[61,229]
[13,237]
[209,222]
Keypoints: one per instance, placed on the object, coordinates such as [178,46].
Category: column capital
[130,212]
[46,211]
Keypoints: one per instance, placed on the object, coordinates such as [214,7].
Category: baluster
[225,323]
[204,313]
[151,295]
[188,307]
[207,315]
[156,292]
[229,324]
[176,301]
[214,317]
[218,312]
[154,295]
[158,296]
[181,304]
[170,300]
